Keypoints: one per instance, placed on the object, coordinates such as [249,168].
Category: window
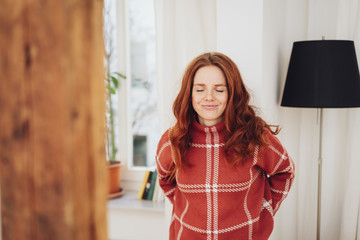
[143,101]
[138,117]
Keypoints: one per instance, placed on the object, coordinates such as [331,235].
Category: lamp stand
[320,113]
[310,84]
[319,175]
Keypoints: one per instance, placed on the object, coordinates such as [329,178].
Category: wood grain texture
[52,152]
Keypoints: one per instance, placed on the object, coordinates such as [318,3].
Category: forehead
[209,75]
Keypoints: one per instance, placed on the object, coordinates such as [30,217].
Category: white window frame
[131,176]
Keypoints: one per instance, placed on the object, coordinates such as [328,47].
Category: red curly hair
[244,129]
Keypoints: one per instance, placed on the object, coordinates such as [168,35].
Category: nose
[209,96]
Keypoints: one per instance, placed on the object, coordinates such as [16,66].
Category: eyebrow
[216,85]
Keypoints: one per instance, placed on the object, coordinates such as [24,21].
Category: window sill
[130,218]
[129,201]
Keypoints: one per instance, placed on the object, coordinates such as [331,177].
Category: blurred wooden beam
[52,153]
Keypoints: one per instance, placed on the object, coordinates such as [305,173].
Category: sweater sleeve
[163,161]
[279,168]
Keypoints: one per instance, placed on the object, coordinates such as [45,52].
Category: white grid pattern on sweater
[203,188]
[168,143]
[247,211]
[208,184]
[288,181]
[265,205]
[171,148]
[224,185]
[216,182]
[225,230]
[164,172]
[211,188]
[268,206]
[282,158]
[284,193]
[199,145]
[169,192]
[172,218]
[181,220]
[244,224]
[278,152]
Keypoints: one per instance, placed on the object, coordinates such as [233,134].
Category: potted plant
[114,165]
[112,81]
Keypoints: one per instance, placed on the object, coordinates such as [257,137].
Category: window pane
[145,124]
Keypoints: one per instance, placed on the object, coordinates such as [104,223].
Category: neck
[209,123]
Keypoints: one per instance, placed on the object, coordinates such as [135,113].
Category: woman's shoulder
[164,149]
[165,139]
[271,139]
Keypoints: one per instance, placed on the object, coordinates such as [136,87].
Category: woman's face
[209,95]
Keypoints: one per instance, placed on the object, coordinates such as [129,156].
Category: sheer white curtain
[348,27]
[333,19]
[184,29]
[342,178]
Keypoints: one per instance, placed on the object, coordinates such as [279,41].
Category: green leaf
[115,81]
[120,75]
[112,91]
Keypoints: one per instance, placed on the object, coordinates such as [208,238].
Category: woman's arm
[279,168]
[164,161]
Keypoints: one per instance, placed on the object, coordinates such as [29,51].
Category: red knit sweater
[213,199]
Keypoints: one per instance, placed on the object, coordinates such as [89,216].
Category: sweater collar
[199,132]
[198,127]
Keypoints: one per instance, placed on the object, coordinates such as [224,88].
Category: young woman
[220,165]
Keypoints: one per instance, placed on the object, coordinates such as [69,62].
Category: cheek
[224,99]
[195,98]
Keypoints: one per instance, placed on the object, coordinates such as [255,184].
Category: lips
[209,107]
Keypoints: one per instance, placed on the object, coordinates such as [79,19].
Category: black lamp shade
[322,74]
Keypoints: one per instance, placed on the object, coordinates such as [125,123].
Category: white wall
[134,224]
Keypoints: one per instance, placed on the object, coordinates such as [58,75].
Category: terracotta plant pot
[114,173]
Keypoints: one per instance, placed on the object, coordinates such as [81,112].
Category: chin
[216,119]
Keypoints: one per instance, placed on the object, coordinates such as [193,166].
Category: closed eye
[220,89]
